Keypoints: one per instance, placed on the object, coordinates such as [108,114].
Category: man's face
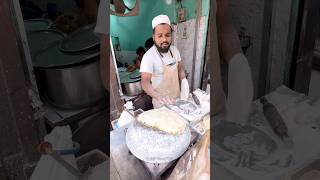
[162,37]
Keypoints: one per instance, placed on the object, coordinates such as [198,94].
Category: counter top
[302,117]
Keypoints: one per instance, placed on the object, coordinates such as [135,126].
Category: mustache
[165,43]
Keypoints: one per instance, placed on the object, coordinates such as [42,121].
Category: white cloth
[184,89]
[102,19]
[124,119]
[49,169]
[159,20]
[240,90]
[152,63]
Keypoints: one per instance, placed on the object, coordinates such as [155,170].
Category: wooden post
[218,101]
[309,28]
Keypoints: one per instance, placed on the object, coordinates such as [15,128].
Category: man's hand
[147,87]
[165,100]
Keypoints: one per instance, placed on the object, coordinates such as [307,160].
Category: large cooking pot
[69,80]
[132,88]
[68,71]
[131,83]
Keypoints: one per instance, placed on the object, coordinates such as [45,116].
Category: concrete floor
[314,88]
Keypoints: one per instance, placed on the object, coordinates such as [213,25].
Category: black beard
[162,50]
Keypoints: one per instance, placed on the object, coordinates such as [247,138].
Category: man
[240,85]
[137,61]
[149,43]
[161,67]
[139,52]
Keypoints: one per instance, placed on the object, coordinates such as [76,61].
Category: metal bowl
[155,146]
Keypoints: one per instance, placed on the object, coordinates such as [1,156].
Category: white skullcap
[160,20]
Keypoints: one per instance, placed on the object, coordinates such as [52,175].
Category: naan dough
[163,119]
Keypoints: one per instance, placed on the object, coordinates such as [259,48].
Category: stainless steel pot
[69,80]
[74,87]
[132,88]
[130,83]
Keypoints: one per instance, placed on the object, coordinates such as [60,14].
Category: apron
[169,85]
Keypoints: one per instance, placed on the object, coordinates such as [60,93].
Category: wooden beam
[264,64]
[294,22]
[218,100]
[22,42]
[309,28]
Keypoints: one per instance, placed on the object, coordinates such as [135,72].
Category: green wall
[135,30]
[190,6]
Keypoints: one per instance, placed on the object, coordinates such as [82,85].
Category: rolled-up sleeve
[146,64]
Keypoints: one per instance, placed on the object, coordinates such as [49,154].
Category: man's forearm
[229,42]
[181,73]
[147,87]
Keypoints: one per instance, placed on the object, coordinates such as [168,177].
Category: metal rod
[115,66]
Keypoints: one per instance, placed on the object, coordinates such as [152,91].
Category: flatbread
[164,120]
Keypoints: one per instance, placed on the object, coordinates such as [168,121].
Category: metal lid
[40,40]
[126,77]
[36,24]
[83,39]
[52,57]
[135,75]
